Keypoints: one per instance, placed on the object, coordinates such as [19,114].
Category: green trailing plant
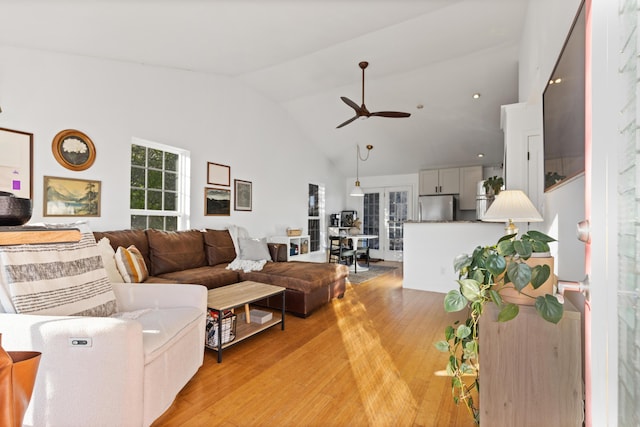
[493,184]
[481,278]
[551,178]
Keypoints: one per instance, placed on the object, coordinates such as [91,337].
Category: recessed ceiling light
[481,155]
[476,95]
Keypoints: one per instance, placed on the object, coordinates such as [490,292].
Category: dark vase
[14,210]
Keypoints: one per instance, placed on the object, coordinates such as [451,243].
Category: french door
[384,212]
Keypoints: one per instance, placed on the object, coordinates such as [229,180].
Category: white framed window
[315,215]
[159,193]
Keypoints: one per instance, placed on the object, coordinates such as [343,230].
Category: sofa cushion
[59,279]
[171,251]
[209,276]
[253,249]
[219,247]
[299,275]
[278,251]
[126,238]
[109,260]
[131,265]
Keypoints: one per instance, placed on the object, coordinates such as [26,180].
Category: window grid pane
[155,184]
[398,208]
[314,234]
[315,205]
[138,155]
[370,218]
[155,158]
[154,179]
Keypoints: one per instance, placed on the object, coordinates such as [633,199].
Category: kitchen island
[430,248]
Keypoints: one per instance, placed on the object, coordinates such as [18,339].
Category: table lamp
[510,206]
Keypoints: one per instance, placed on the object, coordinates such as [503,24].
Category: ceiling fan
[361,111]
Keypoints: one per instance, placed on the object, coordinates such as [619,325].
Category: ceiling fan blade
[351,104]
[361,110]
[347,122]
[395,114]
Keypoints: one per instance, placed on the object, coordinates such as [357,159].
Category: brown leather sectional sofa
[201,257]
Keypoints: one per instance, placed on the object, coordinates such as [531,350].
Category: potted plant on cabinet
[494,274]
[493,185]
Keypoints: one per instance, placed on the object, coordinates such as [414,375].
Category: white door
[384,212]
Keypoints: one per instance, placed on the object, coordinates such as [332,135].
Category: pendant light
[357,190]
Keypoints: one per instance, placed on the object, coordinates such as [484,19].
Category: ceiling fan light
[361,110]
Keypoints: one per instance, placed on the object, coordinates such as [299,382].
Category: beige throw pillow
[109,260]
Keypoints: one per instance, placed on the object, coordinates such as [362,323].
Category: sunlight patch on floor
[386,396]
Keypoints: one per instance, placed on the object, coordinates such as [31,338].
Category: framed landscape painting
[243,195]
[217,201]
[71,197]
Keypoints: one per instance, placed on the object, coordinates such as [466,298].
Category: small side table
[238,295]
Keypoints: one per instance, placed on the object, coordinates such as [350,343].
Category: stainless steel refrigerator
[483,200]
[436,208]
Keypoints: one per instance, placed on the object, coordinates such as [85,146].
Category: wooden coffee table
[238,295]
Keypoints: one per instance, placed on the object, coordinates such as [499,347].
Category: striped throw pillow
[59,279]
[131,265]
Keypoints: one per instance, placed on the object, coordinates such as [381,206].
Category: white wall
[564,209]
[214,117]
[431,248]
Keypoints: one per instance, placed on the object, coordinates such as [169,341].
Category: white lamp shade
[356,190]
[512,205]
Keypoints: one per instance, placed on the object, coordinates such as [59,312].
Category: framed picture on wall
[16,163]
[217,201]
[218,174]
[71,197]
[243,195]
[73,149]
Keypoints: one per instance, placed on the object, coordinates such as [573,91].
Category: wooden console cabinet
[531,370]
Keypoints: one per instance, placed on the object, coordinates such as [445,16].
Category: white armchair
[113,371]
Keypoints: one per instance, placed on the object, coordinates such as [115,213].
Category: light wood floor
[365,360]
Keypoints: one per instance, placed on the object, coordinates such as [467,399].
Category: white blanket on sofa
[245,265]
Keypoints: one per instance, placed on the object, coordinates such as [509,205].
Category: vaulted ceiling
[427,57]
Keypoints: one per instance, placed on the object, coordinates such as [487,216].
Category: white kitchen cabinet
[429,182]
[469,177]
[439,181]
